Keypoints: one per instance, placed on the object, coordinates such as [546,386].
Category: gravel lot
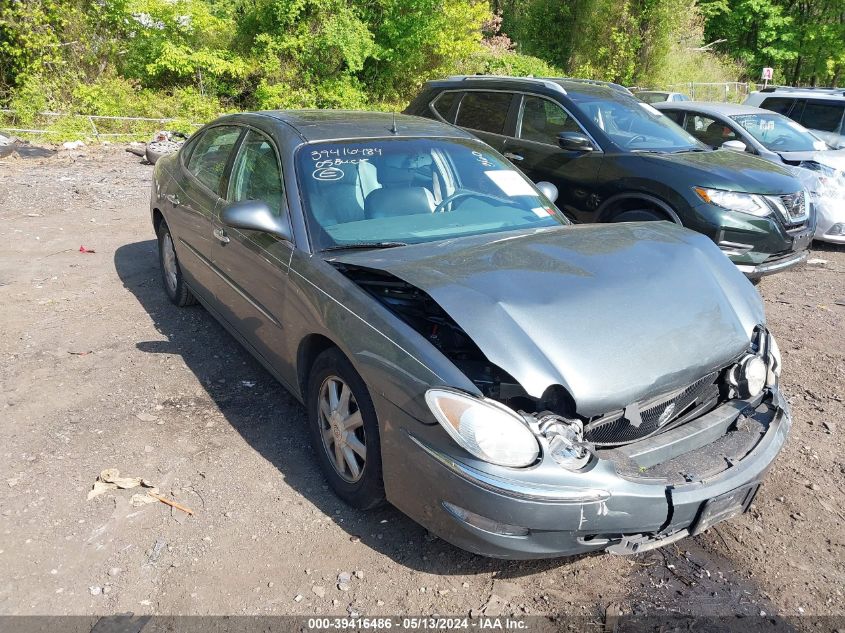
[98,370]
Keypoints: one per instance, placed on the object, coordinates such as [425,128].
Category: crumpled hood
[732,171]
[615,313]
[835,159]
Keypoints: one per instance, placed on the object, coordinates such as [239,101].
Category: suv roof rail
[542,80]
[594,82]
[826,91]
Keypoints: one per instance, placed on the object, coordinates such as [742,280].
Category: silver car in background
[779,139]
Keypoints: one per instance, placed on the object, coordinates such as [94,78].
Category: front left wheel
[344,430]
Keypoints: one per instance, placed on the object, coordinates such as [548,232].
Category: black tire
[367,491]
[639,215]
[171,272]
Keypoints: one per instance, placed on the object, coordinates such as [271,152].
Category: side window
[443,104]
[777,104]
[256,174]
[542,121]
[709,131]
[822,116]
[677,116]
[210,155]
[484,111]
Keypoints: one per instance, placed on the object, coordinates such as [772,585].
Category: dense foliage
[804,40]
[195,58]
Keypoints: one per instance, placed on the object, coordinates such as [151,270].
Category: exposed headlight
[748,376]
[734,201]
[489,430]
[774,362]
[566,441]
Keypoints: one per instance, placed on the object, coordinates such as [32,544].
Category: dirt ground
[98,370]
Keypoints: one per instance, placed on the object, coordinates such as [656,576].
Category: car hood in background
[732,171]
[835,159]
[614,313]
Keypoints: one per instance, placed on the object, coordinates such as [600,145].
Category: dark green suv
[614,158]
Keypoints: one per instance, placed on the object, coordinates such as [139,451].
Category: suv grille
[793,209]
[617,429]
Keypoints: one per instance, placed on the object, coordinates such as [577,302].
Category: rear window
[485,111]
[822,116]
[777,104]
[443,105]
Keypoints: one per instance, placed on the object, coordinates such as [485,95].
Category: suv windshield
[634,125]
[390,192]
[779,134]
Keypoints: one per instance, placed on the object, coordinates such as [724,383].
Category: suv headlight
[489,430]
[749,203]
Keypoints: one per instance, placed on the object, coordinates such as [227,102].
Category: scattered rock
[343,580]
[95,591]
[319,591]
[146,417]
[297,597]
[359,574]
[114,571]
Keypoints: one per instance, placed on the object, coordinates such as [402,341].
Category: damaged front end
[545,472]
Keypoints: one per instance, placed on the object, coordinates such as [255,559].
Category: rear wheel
[171,272]
[344,430]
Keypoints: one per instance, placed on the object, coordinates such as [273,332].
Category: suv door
[486,113]
[193,201]
[253,266]
[534,149]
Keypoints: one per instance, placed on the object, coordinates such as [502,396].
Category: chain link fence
[61,126]
[729,91]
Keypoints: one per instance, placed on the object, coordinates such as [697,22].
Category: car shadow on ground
[273,422]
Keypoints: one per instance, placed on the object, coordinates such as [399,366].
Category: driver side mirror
[255,215]
[574,142]
[736,146]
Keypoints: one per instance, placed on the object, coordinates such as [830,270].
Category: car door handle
[173,199]
[512,156]
[220,234]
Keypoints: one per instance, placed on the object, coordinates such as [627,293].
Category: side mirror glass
[255,215]
[574,142]
[548,190]
[736,146]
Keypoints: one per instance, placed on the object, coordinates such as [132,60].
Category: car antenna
[393,129]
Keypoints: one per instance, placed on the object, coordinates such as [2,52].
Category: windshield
[634,125]
[390,192]
[779,134]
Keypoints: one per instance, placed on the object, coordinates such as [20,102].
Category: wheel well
[309,348]
[637,202]
[158,218]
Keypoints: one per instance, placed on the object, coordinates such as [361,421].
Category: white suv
[821,110]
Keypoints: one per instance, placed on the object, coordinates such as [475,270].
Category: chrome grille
[793,208]
[611,430]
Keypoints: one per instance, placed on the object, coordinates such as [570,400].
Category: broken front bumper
[613,504]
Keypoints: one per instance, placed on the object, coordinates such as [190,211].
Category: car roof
[324,125]
[819,93]
[712,107]
[561,85]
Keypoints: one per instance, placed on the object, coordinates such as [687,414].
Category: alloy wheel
[342,429]
[168,262]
